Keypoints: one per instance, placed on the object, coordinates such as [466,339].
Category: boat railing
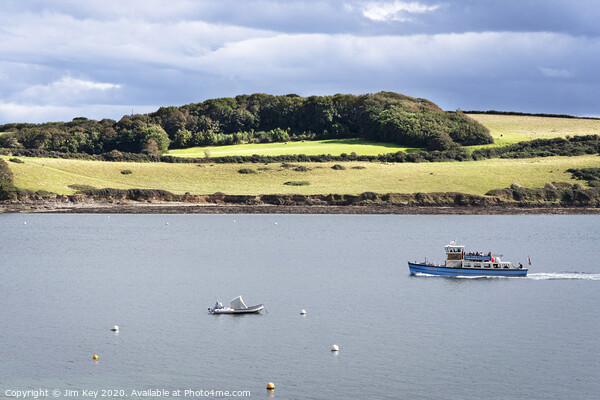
[476,257]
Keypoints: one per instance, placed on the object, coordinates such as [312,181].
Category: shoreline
[177,207]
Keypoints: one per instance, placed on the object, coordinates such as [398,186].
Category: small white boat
[236,306]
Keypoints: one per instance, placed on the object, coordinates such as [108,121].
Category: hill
[381,117]
[473,177]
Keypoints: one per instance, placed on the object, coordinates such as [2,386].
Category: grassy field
[315,147]
[55,175]
[509,129]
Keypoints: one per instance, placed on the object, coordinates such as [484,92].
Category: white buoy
[234,221]
[115,328]
[335,347]
[302,312]
[167,223]
[24,223]
[275,223]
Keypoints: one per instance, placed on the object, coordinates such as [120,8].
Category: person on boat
[520,266]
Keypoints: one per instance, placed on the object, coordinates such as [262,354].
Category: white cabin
[456,257]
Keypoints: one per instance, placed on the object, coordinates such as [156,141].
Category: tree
[440,140]
[279,135]
[158,135]
[8,140]
[171,119]
[6,174]
[182,138]
[151,147]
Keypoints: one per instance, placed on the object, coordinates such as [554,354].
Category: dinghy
[236,306]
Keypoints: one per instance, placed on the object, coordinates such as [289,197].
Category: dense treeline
[569,146]
[135,134]
[381,117]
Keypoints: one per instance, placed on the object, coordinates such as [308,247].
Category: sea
[66,280]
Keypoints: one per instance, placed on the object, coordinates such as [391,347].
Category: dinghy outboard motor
[218,305]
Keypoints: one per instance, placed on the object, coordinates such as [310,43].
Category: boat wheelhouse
[461,263]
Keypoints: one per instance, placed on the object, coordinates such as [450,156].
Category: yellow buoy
[270,386]
[95,356]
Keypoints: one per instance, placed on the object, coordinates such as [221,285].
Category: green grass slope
[56,175]
[509,129]
[315,147]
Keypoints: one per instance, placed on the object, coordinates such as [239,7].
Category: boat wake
[545,276]
[541,276]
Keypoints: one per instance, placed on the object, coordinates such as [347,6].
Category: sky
[61,59]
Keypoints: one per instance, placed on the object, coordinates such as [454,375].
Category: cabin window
[486,265]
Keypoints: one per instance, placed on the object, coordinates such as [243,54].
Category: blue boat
[460,263]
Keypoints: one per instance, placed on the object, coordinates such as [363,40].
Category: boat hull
[249,310]
[430,269]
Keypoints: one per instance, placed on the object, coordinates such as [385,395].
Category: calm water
[65,280]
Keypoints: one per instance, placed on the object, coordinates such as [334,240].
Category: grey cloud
[463,54]
[340,16]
